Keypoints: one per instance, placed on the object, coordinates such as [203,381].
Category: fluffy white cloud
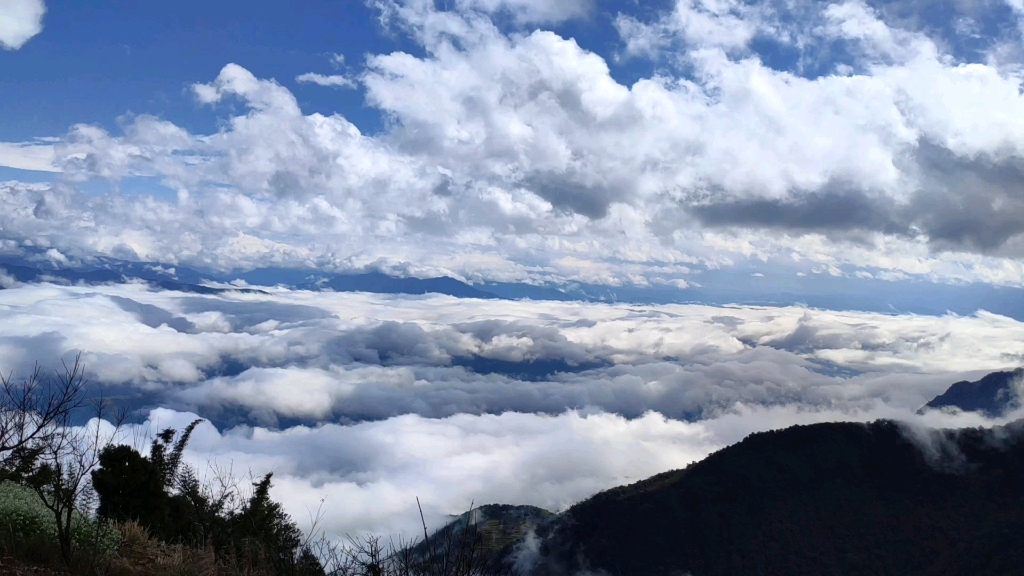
[315,356]
[6,280]
[20,20]
[519,156]
[726,24]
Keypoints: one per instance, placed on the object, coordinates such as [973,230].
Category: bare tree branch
[66,458]
[34,409]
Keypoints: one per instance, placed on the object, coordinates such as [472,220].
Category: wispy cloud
[332,81]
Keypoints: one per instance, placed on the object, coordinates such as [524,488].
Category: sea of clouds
[369,401]
[880,139]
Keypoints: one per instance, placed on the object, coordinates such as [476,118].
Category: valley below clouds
[368,401]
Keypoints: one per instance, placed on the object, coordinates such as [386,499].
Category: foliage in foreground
[26,522]
[164,496]
[74,501]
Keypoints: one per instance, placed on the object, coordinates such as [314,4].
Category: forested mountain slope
[836,498]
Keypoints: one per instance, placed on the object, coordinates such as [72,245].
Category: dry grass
[139,554]
[142,555]
[13,567]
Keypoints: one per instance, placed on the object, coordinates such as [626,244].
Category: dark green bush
[164,496]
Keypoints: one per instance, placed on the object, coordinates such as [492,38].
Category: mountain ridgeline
[718,286]
[835,498]
[182,279]
[993,395]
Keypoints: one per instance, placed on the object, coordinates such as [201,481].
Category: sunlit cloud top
[564,142]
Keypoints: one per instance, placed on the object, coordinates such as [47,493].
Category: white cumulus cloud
[519,155]
[20,20]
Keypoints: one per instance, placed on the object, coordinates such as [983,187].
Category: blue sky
[611,143]
[100,60]
[97,61]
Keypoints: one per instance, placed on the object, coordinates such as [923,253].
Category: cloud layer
[848,137]
[310,357]
[370,401]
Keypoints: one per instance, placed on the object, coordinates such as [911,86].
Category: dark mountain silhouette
[498,527]
[717,286]
[384,284]
[35,268]
[993,395]
[376,282]
[111,274]
[836,499]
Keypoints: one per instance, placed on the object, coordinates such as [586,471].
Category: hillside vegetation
[75,500]
[836,499]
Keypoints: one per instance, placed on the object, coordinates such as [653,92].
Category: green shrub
[23,515]
[24,519]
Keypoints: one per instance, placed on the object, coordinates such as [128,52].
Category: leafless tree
[64,455]
[34,409]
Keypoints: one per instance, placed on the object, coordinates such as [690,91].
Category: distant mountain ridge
[106,270]
[102,275]
[497,529]
[716,286]
[382,283]
[182,278]
[834,498]
[993,395]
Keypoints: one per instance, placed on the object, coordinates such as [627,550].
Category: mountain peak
[993,395]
